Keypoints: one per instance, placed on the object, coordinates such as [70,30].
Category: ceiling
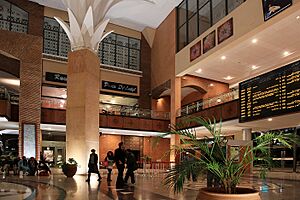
[266,53]
[184,92]
[9,81]
[233,127]
[134,14]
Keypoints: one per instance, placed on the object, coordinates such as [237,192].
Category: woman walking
[109,163]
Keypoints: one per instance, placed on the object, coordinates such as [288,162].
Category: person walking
[93,165]
[131,166]
[120,158]
[109,159]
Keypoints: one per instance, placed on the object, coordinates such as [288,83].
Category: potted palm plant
[69,168]
[213,158]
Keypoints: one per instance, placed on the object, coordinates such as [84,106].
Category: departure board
[271,94]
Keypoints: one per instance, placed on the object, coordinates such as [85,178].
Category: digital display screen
[271,94]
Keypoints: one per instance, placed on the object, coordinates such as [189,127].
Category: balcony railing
[207,103]
[110,109]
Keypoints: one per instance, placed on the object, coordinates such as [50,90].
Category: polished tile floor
[147,187]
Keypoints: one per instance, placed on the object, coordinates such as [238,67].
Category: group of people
[28,166]
[120,158]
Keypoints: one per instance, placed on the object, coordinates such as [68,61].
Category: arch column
[82,117]
[175,105]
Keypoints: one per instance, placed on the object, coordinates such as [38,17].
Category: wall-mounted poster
[29,140]
[225,31]
[209,42]
[273,7]
[195,51]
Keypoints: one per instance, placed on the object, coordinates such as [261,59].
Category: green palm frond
[213,157]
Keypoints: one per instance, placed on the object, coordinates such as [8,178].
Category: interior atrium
[150,99]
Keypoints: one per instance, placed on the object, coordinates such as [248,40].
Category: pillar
[175,105]
[82,118]
[245,135]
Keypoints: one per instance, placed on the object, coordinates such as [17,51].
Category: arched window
[13,18]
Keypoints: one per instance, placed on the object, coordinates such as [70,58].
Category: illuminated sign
[271,94]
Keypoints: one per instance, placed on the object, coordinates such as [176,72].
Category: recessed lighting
[254,41]
[219,100]
[254,67]
[228,78]
[270,119]
[298,17]
[286,53]
[223,57]
[211,85]
[199,71]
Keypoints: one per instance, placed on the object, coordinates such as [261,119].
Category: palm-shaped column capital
[87,22]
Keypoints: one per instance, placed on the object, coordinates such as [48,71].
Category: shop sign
[56,77]
[107,85]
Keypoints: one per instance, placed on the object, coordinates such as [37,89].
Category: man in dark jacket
[120,158]
[93,165]
[131,166]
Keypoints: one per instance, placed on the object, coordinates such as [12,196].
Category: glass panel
[134,59]
[134,43]
[18,15]
[5,11]
[64,45]
[192,7]
[204,18]
[182,37]
[122,57]
[122,40]
[218,10]
[193,32]
[181,14]
[13,18]
[233,4]
[202,2]
[111,38]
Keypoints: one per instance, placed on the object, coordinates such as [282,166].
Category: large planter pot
[216,194]
[70,170]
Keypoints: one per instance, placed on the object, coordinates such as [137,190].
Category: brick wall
[28,49]
[108,143]
[145,81]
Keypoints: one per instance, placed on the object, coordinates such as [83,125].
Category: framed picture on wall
[209,42]
[29,140]
[195,51]
[273,7]
[225,31]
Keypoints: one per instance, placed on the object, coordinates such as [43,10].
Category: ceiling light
[219,100]
[254,41]
[211,85]
[228,78]
[64,96]
[14,82]
[286,53]
[254,67]
[199,71]
[270,119]
[223,57]
[298,17]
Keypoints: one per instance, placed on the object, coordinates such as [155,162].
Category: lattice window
[13,18]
